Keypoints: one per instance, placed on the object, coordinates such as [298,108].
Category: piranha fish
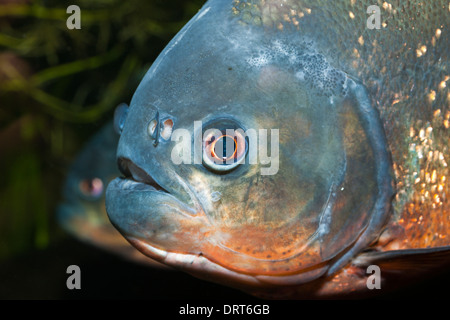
[83,213]
[362,115]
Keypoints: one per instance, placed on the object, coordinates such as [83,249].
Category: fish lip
[131,185]
[144,180]
[136,179]
[128,184]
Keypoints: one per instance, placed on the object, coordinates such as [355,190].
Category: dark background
[57,88]
[41,274]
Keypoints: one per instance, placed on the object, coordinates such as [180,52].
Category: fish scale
[405,67]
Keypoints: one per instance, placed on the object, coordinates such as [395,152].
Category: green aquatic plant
[57,86]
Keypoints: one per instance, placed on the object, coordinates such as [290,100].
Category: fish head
[246,157]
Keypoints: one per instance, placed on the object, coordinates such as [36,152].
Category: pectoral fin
[406,261]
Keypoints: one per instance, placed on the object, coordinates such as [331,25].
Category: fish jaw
[201,267]
[139,210]
[169,231]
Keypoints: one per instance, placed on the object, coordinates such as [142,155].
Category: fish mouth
[141,208]
[134,173]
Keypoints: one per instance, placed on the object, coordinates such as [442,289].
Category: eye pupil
[224,148]
[224,145]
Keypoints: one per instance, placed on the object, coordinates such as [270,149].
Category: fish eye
[224,147]
[91,188]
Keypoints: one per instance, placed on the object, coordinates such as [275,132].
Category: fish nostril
[167,129]
[152,128]
[160,128]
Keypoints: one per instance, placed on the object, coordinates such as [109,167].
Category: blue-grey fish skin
[363,118]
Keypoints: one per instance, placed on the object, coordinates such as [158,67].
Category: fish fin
[410,260]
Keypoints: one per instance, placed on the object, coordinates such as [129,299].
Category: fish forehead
[215,65]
